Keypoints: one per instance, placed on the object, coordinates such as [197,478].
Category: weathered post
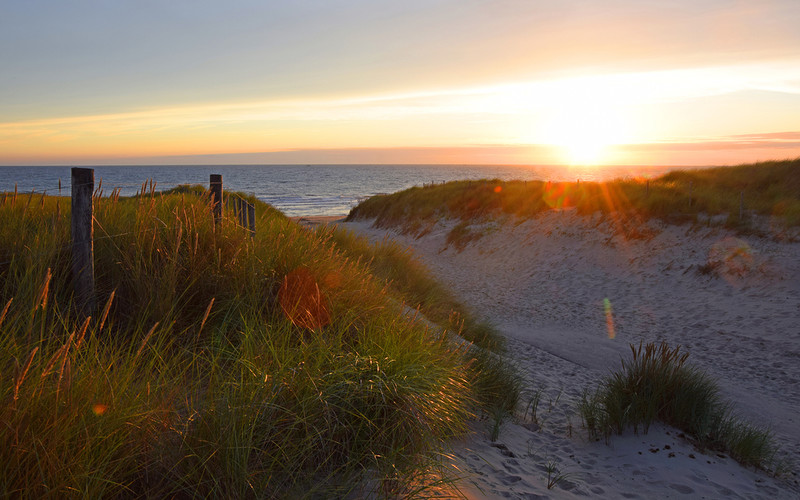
[83,239]
[215,186]
[251,219]
[241,208]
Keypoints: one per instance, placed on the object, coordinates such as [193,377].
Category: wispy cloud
[773,140]
[504,113]
[506,98]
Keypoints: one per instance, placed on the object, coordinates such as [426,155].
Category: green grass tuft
[411,281]
[657,385]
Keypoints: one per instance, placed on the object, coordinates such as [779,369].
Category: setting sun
[584,136]
[586,118]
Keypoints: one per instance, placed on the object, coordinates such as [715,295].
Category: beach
[571,293]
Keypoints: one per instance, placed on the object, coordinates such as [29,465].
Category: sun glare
[585,131]
[584,134]
[585,119]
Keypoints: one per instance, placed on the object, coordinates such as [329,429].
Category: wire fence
[64,188]
[243,210]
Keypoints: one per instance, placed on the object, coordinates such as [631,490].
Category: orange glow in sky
[416,82]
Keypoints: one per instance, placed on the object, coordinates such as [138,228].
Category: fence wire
[65,188]
[107,236]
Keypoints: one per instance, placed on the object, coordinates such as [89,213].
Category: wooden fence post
[251,219]
[83,239]
[215,186]
[241,210]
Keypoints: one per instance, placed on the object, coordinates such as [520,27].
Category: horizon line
[741,149]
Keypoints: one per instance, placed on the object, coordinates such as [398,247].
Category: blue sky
[103,81]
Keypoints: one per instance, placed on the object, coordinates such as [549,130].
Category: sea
[299,190]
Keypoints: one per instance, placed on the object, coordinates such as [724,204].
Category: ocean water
[303,189]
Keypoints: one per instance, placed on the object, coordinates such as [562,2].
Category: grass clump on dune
[217,365]
[657,385]
[769,189]
[496,384]
[408,277]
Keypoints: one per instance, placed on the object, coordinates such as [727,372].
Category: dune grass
[657,385]
[770,189]
[412,282]
[217,364]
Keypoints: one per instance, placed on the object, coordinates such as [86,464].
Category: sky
[701,82]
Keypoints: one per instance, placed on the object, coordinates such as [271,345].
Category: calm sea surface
[303,189]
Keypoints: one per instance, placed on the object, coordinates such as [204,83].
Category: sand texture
[570,293]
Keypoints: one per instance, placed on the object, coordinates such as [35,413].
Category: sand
[570,293]
[316,220]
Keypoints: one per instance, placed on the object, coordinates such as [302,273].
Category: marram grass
[657,385]
[732,194]
[408,277]
[197,376]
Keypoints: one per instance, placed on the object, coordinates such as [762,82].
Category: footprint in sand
[509,480]
[699,478]
[682,488]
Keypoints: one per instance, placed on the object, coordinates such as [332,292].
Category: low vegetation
[412,281]
[732,194]
[222,365]
[657,385]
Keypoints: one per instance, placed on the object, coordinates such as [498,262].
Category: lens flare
[99,409]
[609,318]
[560,194]
[332,280]
[301,300]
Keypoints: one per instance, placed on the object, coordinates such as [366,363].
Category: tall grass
[495,382]
[656,385]
[411,280]
[769,189]
[199,375]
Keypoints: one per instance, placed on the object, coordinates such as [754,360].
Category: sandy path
[550,285]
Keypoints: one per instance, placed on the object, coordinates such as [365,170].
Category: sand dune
[571,293]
